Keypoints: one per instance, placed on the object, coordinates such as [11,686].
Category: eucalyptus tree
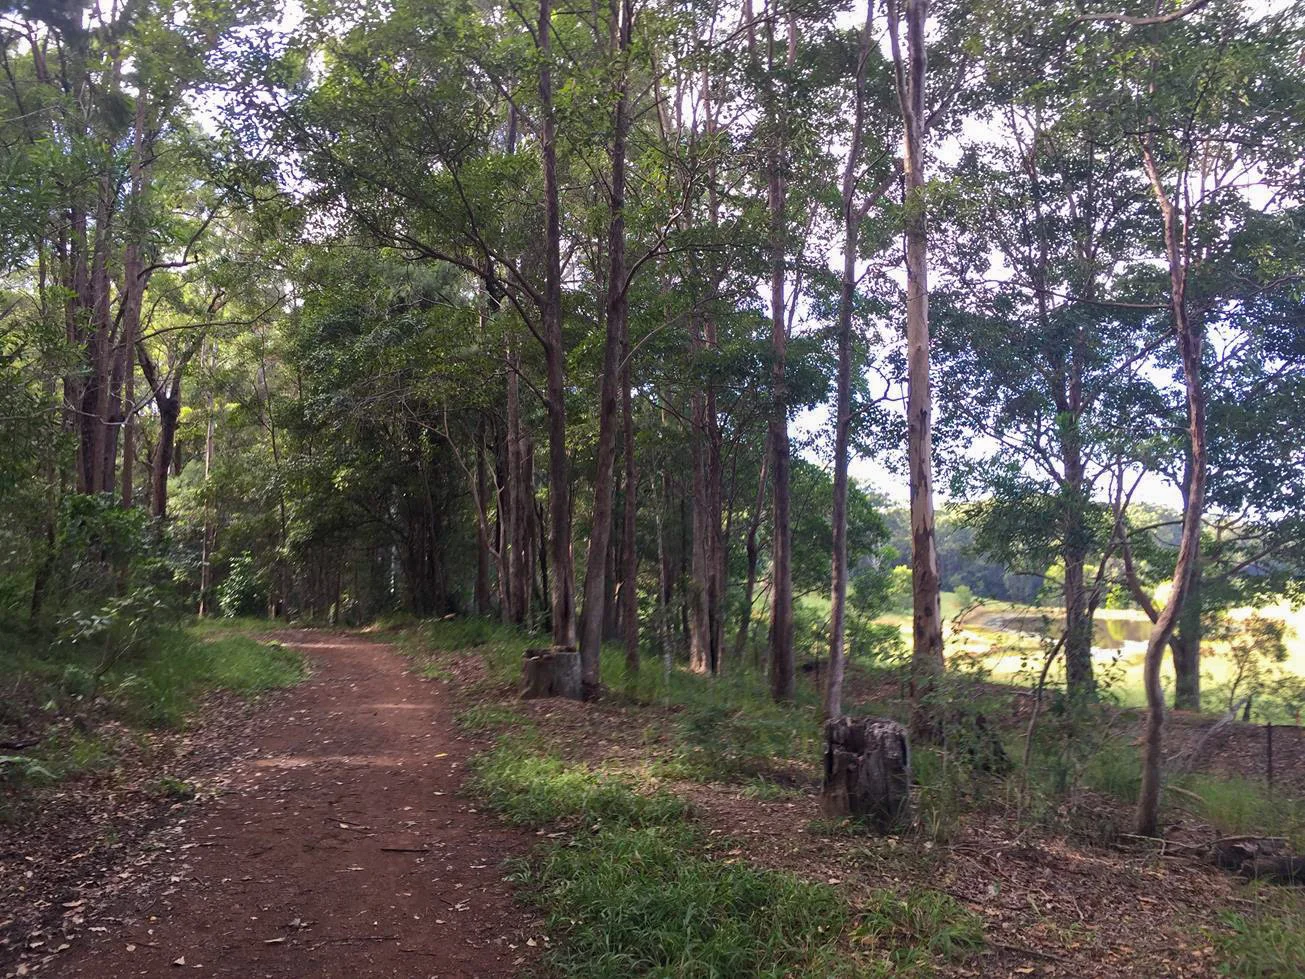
[1209,102]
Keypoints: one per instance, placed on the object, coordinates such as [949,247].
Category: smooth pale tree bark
[927,645]
[1188,338]
[562,585]
[596,566]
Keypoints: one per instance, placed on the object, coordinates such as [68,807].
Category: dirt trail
[341,849]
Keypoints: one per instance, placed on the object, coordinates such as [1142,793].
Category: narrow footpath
[342,849]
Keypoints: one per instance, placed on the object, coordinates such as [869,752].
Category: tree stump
[867,772]
[550,673]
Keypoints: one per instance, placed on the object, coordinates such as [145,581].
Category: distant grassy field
[1005,638]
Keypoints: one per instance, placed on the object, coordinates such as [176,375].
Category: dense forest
[594,320]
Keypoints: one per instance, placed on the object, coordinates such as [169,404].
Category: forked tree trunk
[1187,335]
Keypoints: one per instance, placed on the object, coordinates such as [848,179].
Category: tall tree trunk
[927,643]
[1079,679]
[833,704]
[782,677]
[133,287]
[752,552]
[210,525]
[93,418]
[1185,643]
[1188,338]
[482,589]
[630,573]
[664,579]
[519,493]
[595,585]
[709,583]
[169,407]
[562,596]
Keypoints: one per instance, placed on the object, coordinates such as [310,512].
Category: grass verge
[1266,943]
[632,889]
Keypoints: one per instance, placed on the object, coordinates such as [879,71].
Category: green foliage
[243,588]
[1240,806]
[484,718]
[1254,646]
[729,741]
[1267,943]
[16,769]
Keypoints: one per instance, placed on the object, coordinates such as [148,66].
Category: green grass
[434,645]
[1237,806]
[158,686]
[537,790]
[492,718]
[908,933]
[162,687]
[1266,943]
[726,729]
[628,893]
[638,901]
[632,889]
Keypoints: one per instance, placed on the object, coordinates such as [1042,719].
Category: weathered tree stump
[550,673]
[867,772]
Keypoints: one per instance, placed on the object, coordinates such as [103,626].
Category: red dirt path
[287,874]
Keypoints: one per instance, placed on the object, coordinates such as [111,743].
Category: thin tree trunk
[482,589]
[595,585]
[630,574]
[782,676]
[562,592]
[1185,643]
[1187,335]
[210,532]
[833,704]
[133,275]
[752,556]
[927,644]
